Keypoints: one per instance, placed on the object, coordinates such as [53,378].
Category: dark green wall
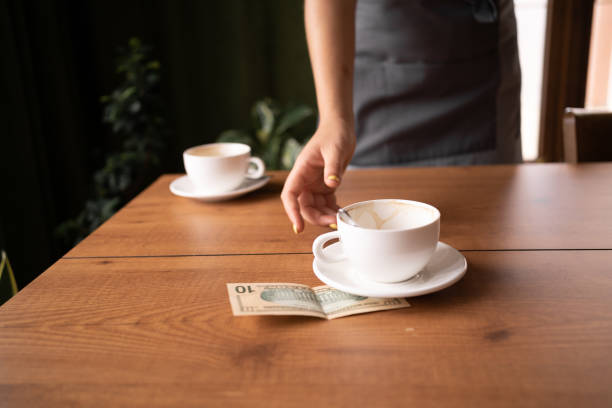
[217,58]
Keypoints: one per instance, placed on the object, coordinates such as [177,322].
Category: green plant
[134,112]
[278,133]
[8,286]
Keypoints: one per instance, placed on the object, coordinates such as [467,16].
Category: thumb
[333,168]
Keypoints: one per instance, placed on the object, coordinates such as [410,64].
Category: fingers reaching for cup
[306,198]
[309,193]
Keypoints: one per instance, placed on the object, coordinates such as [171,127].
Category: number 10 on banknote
[300,300]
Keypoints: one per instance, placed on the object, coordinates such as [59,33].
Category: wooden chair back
[587,135]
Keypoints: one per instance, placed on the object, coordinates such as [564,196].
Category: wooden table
[552,206]
[138,315]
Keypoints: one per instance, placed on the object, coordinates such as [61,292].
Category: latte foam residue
[391,215]
[218,150]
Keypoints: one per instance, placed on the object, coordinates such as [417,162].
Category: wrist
[338,131]
[338,120]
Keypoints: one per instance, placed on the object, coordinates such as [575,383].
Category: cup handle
[317,247]
[259,170]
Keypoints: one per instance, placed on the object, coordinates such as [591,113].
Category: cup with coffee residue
[221,167]
[391,241]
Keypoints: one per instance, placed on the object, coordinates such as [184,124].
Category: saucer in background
[183,187]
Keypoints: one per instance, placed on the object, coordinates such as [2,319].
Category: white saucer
[183,187]
[446,267]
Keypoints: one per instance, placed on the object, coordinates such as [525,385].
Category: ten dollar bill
[300,300]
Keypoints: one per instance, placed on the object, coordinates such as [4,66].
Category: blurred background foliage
[278,132]
[8,285]
[216,59]
[134,111]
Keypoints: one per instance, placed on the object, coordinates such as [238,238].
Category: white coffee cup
[221,167]
[392,242]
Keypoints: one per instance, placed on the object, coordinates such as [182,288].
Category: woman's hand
[309,192]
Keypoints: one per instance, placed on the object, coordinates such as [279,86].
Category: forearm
[330,33]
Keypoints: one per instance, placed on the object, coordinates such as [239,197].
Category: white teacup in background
[221,167]
[392,242]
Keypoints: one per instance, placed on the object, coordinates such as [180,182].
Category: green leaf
[152,79]
[292,117]
[110,113]
[135,106]
[236,136]
[291,150]
[134,42]
[109,207]
[8,285]
[118,125]
[265,115]
[273,150]
[153,64]
[127,92]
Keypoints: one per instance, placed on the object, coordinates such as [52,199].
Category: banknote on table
[300,300]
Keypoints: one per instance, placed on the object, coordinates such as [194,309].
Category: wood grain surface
[538,206]
[524,328]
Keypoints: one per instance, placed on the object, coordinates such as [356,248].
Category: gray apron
[437,82]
